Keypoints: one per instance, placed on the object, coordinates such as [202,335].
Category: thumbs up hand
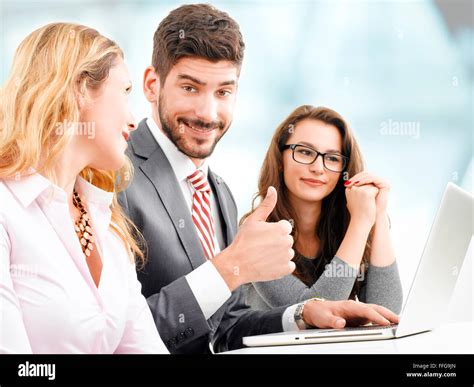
[265,208]
[261,251]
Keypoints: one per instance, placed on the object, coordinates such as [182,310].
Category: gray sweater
[380,285]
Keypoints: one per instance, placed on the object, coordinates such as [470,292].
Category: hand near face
[366,179]
[361,203]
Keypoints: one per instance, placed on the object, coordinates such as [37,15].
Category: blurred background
[400,72]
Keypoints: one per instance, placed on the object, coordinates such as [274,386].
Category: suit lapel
[216,182]
[158,169]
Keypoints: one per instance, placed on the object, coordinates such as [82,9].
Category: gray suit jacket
[155,203]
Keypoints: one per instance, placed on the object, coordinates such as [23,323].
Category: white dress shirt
[49,302]
[206,283]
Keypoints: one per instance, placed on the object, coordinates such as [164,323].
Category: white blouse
[49,302]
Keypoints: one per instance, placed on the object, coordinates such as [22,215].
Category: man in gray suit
[196,258]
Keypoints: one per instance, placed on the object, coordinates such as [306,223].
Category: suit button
[189,332]
[180,337]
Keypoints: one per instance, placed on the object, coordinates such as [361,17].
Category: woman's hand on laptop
[339,314]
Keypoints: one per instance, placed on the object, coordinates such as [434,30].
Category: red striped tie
[201,212]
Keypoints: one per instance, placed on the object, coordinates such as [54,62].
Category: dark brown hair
[335,217]
[198,30]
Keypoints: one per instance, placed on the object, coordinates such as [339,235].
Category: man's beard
[176,135]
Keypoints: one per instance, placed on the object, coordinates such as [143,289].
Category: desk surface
[447,339]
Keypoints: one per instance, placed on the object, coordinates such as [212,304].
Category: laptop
[431,289]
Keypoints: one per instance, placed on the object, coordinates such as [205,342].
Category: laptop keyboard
[362,328]
[371,327]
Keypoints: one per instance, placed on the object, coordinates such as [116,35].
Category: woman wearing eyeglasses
[67,253]
[339,213]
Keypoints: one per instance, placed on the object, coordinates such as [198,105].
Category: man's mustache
[201,124]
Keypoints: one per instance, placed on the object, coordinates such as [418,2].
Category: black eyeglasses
[305,155]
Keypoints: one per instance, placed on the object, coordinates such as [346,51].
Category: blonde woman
[67,256]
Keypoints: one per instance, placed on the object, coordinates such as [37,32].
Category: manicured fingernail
[357,182]
[347,182]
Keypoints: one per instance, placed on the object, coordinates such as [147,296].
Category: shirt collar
[181,164]
[92,193]
[28,187]
[32,185]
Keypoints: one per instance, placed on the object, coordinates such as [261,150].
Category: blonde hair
[52,65]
